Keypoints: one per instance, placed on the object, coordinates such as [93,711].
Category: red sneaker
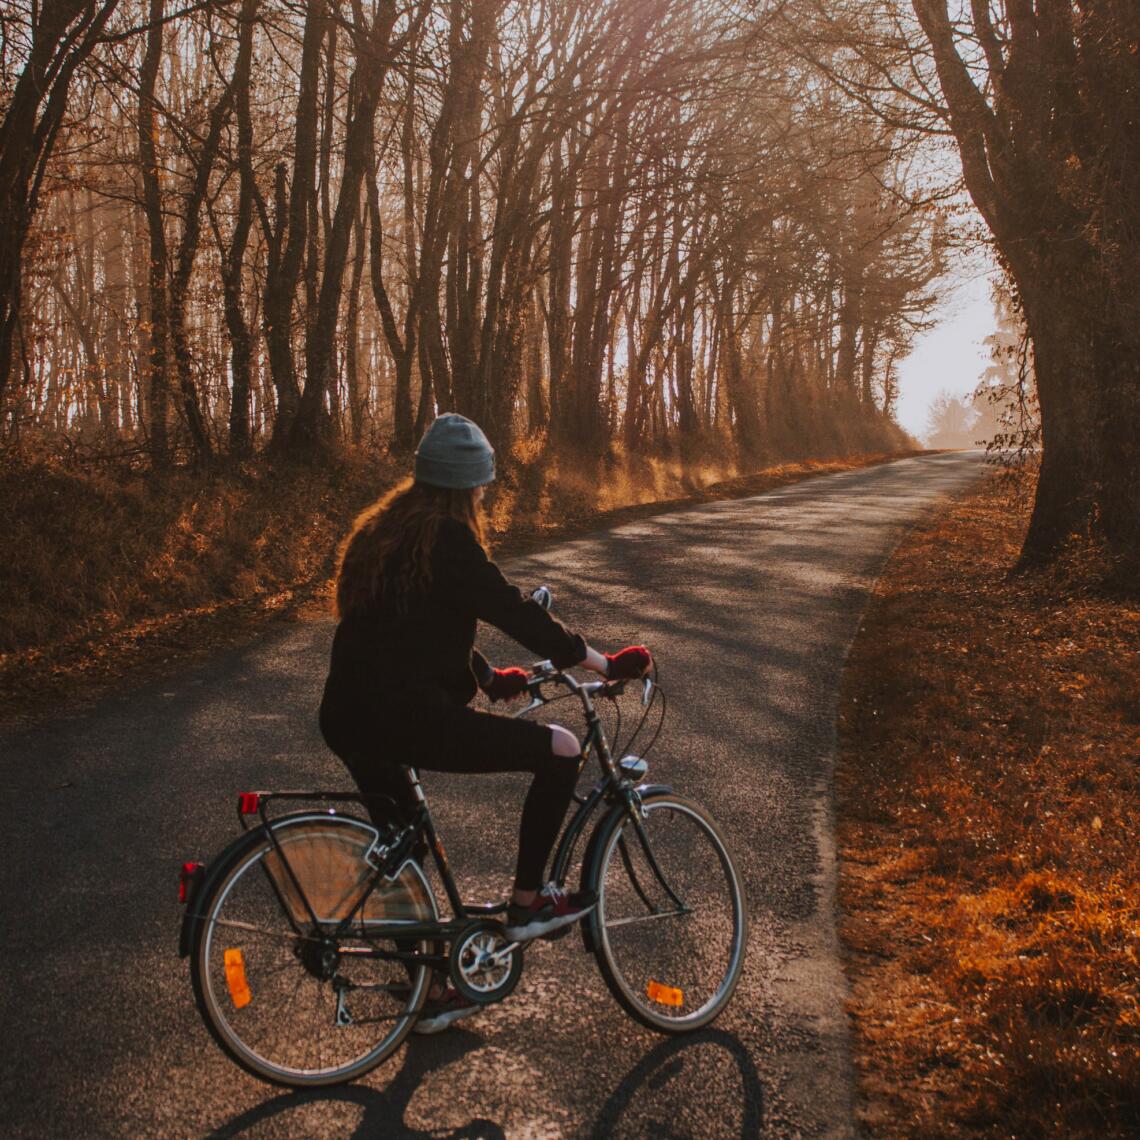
[549,910]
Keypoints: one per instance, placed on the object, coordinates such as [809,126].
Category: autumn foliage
[988,781]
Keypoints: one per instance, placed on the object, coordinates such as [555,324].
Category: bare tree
[608,224]
[62,34]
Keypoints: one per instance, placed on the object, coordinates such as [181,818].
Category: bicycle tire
[672,969]
[272,1001]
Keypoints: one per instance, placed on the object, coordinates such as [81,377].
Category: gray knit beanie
[455,453]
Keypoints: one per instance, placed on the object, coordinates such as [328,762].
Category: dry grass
[108,572]
[990,734]
[101,570]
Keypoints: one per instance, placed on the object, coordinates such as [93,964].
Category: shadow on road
[383,1111]
[645,1105]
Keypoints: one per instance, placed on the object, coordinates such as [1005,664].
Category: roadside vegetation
[249,251]
[988,783]
[107,570]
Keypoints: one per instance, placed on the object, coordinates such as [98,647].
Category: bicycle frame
[616,787]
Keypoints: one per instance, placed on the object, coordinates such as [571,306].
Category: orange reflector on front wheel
[235,979]
[664,995]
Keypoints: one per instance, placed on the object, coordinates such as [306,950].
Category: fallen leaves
[988,783]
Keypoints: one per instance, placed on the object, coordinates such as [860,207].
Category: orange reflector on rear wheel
[235,979]
[664,995]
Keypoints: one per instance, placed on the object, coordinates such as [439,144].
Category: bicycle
[314,935]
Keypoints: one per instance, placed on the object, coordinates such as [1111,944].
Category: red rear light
[248,803]
[189,874]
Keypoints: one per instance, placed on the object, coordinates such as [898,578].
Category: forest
[286,227]
[663,252]
[230,228]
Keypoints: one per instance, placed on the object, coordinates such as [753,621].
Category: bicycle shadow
[624,1112]
[383,1110]
[662,1114]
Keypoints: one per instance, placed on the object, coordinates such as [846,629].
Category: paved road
[750,606]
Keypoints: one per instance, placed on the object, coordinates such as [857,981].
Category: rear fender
[219,867]
[203,887]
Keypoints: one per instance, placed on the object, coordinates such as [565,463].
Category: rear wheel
[670,927]
[284,995]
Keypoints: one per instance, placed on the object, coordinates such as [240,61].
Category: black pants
[450,738]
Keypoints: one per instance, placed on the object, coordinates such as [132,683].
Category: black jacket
[385,658]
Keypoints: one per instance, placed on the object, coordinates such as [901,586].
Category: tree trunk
[356,398]
[241,343]
[1061,350]
[288,242]
[849,318]
[158,315]
[537,407]
[402,348]
[64,33]
[1052,171]
[183,270]
[742,395]
[870,343]
[372,46]
[558,279]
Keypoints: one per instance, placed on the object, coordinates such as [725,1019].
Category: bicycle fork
[637,815]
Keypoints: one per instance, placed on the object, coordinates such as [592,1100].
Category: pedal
[343,1018]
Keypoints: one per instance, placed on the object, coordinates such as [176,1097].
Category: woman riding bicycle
[414,579]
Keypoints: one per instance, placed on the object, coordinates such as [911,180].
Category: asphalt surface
[749,606]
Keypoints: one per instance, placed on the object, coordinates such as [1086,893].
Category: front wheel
[670,927]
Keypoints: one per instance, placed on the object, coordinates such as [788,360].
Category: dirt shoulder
[987,787]
[102,653]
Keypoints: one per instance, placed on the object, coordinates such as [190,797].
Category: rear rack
[254,803]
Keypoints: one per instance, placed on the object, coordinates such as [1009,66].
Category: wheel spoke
[610,923]
[250,928]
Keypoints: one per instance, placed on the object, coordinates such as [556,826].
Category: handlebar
[544,673]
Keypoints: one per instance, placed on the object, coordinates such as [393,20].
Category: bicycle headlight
[634,768]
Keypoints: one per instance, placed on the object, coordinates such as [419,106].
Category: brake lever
[537,700]
[646,691]
[534,688]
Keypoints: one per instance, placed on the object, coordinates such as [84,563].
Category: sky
[950,357]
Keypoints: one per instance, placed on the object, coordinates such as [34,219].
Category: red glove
[507,683]
[628,664]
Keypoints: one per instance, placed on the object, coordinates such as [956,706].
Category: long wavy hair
[387,554]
